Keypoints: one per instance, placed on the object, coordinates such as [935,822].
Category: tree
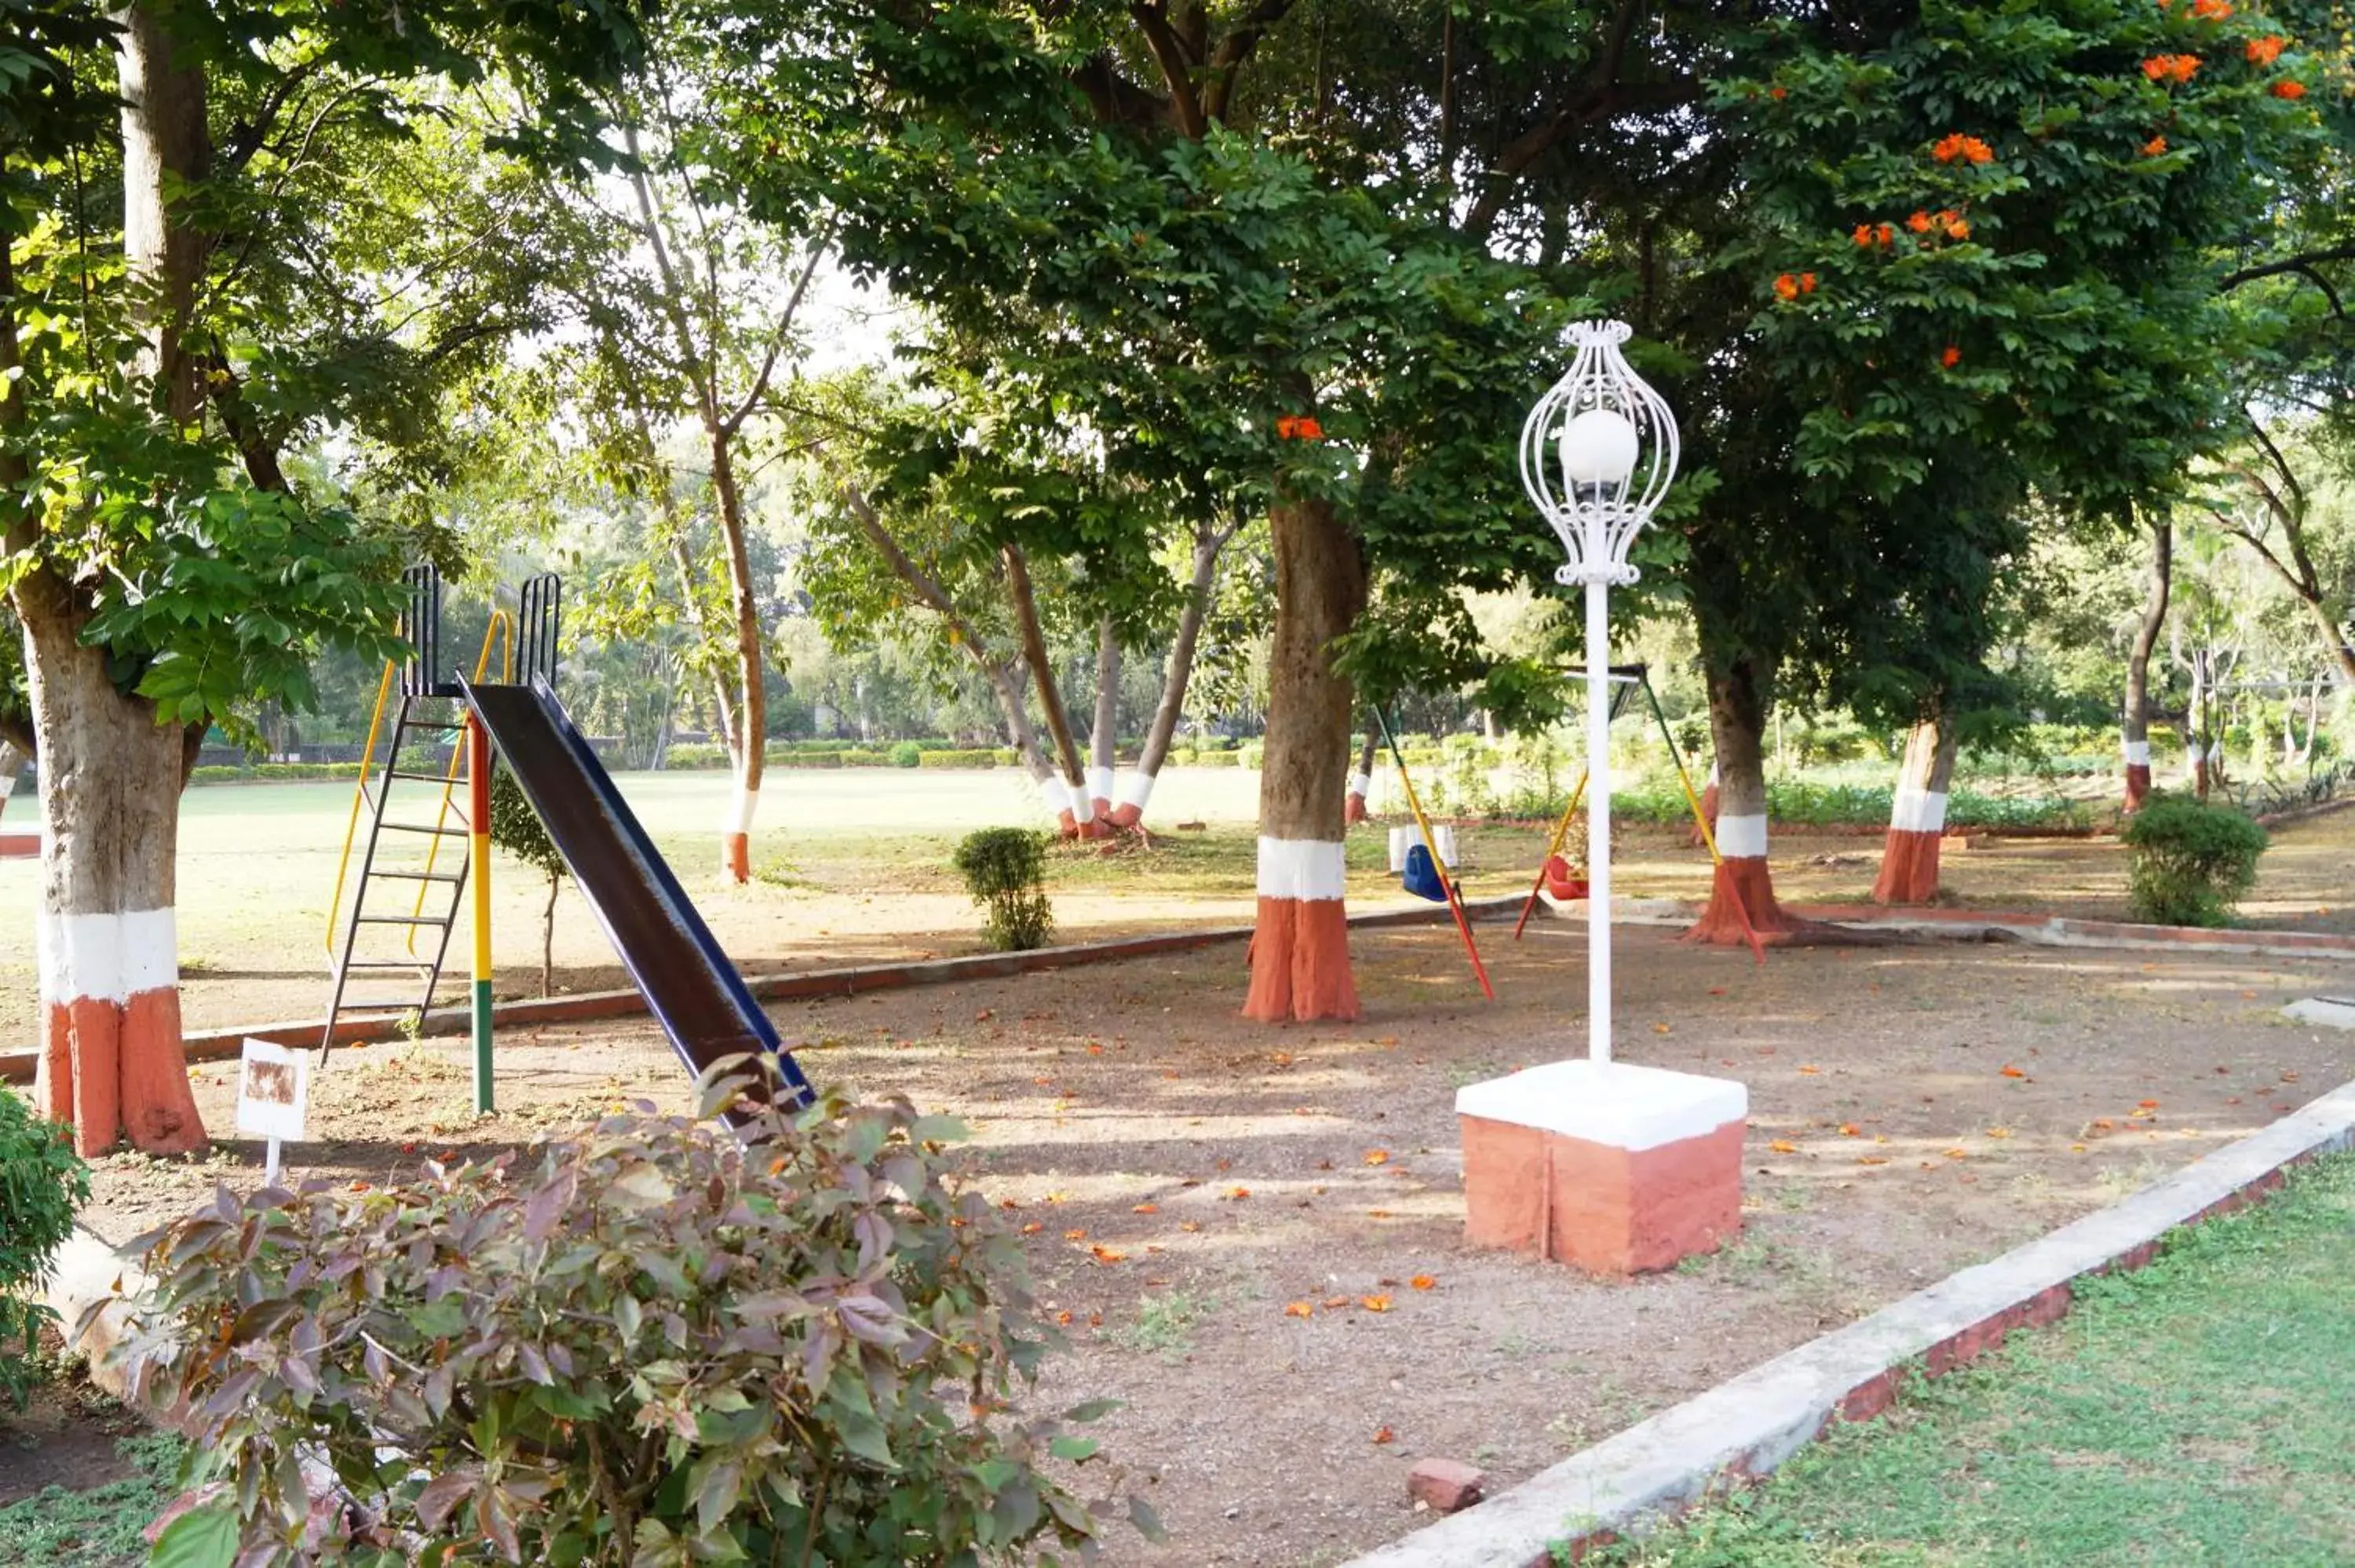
[165,562]
[690,307]
[516,827]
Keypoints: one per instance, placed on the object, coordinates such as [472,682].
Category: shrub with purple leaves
[656,1344]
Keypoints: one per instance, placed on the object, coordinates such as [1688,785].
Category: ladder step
[426,778]
[421,828]
[416,875]
[402,920]
[418,964]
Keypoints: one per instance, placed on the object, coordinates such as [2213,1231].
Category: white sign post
[273,1091]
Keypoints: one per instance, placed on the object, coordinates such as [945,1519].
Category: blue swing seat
[1421,875]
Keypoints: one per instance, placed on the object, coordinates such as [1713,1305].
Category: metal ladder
[416,840]
[422,856]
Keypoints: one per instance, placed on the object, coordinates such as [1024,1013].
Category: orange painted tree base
[113,1068]
[2137,784]
[1300,962]
[1741,887]
[736,856]
[1909,868]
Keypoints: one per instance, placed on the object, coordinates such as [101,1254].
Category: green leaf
[201,1538]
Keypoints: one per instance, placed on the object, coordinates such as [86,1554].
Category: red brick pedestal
[1614,1168]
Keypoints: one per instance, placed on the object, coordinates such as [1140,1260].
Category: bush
[2191,862]
[41,1183]
[661,1344]
[907,754]
[1004,869]
[954,757]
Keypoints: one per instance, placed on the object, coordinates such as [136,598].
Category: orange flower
[1779,94]
[2211,10]
[1806,286]
[2266,50]
[1863,235]
[2177,69]
[1955,146]
[1952,357]
[1919,223]
[1888,234]
[1786,287]
[1308,430]
[1957,228]
[2290,89]
[2154,147]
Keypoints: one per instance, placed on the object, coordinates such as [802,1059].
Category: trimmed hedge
[970,757]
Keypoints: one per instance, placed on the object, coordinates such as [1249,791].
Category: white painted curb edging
[1745,1427]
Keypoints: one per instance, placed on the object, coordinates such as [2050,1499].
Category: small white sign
[273,1091]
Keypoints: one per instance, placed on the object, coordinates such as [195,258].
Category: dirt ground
[1915,1108]
[853,867]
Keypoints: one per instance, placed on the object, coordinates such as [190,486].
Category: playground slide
[694,991]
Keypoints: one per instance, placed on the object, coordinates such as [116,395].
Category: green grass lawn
[2201,1411]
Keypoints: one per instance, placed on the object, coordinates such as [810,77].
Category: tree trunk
[1917,817]
[749,751]
[1300,951]
[1361,782]
[548,938]
[1742,894]
[112,1059]
[2135,719]
[12,762]
[1138,792]
[1101,735]
[1080,814]
[2334,639]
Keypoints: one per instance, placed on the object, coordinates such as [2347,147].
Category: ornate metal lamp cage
[1597,455]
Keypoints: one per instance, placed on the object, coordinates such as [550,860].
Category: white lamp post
[1597,455]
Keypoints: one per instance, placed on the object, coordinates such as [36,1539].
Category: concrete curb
[1744,1428]
[224,1045]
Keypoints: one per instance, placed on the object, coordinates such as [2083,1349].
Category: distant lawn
[2200,1411]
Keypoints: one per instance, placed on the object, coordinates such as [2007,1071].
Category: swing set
[1425,874]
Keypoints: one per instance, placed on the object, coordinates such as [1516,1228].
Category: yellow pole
[360,796]
[478,844]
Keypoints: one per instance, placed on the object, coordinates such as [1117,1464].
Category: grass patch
[2200,1411]
[99,1528]
[1164,1326]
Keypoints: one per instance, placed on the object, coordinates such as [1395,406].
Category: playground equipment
[1553,872]
[690,987]
[1424,872]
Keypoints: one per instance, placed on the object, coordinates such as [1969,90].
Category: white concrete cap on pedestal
[1616,1104]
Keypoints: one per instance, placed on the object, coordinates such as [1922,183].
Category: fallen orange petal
[1033,1228]
[1423,1282]
[1872,1160]
[2147,1104]
[1332,1302]
[1849,1129]
[1383,1435]
[1298,1310]
[1811,1071]
[1146,1209]
[1375,1303]
[1783,1145]
[1107,1253]
[1958,1154]
[1189,1225]
[1239,1193]
[1378,1157]
[2011,1072]
[1075,1234]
